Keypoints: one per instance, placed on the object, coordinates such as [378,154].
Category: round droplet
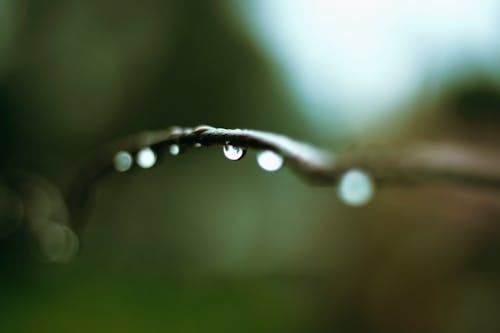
[174,150]
[269,160]
[123,161]
[355,188]
[233,153]
[198,145]
[146,158]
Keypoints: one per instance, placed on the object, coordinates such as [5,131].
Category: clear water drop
[146,158]
[123,161]
[198,145]
[233,153]
[269,160]
[174,149]
[355,188]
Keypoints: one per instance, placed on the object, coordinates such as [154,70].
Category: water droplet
[146,158]
[355,188]
[123,161]
[174,149]
[198,145]
[233,153]
[269,160]
[175,130]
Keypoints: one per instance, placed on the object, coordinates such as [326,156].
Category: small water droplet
[269,160]
[233,153]
[146,158]
[123,161]
[198,145]
[174,149]
[174,130]
[355,188]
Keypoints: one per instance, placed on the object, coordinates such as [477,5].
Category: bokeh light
[123,161]
[269,160]
[174,150]
[355,188]
[146,158]
[57,242]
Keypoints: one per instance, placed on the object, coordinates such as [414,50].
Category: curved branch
[410,165]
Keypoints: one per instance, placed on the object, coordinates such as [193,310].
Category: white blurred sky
[352,63]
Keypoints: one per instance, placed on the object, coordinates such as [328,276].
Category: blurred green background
[201,244]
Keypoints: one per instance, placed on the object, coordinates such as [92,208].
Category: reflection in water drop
[146,158]
[233,153]
[123,161]
[269,160]
[355,188]
[57,242]
[174,150]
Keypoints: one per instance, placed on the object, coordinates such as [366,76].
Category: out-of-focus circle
[269,160]
[146,158]
[57,243]
[123,161]
[355,188]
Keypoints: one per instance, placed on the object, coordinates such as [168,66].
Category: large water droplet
[123,161]
[233,153]
[146,158]
[174,149]
[269,160]
[355,188]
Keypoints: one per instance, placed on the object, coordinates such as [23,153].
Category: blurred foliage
[203,244]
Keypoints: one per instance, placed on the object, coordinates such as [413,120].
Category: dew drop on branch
[355,188]
[233,153]
[269,160]
[174,149]
[123,161]
[146,158]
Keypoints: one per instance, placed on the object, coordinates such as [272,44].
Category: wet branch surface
[407,166]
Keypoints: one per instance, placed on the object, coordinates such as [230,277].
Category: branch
[417,164]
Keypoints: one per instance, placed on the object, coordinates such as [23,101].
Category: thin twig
[410,165]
